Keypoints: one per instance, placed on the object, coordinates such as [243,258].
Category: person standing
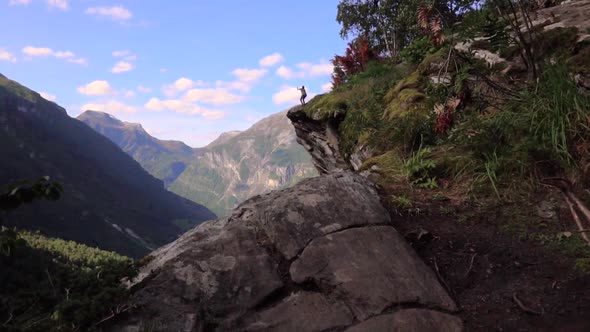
[303,94]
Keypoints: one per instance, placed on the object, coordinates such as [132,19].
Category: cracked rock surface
[321,256]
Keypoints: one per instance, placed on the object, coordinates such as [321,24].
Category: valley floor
[495,262]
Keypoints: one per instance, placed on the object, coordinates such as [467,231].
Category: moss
[411,81]
[409,102]
[433,61]
[325,105]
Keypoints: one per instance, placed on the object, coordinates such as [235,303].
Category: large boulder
[321,256]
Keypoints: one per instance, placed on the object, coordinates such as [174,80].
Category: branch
[119,310]
[523,307]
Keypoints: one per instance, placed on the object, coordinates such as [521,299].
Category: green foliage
[55,285]
[418,166]
[29,190]
[417,50]
[51,284]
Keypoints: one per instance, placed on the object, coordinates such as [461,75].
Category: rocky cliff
[320,256]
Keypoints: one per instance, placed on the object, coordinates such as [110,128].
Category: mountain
[232,168]
[165,160]
[109,200]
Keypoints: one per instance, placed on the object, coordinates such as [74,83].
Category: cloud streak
[117,13]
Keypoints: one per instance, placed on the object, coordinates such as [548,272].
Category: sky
[186,70]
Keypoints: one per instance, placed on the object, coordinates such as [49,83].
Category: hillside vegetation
[485,107]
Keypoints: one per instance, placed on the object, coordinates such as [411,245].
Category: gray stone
[319,256]
[411,320]
[303,312]
[215,271]
[372,268]
[320,139]
[315,207]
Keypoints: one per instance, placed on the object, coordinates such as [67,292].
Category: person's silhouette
[303,94]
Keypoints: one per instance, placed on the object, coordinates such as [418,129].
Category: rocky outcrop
[320,138]
[320,256]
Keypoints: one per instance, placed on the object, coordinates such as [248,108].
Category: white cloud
[37,51]
[131,58]
[234,85]
[246,79]
[271,60]
[7,56]
[249,75]
[289,94]
[97,88]
[120,53]
[80,61]
[63,54]
[212,96]
[19,2]
[326,87]
[48,96]
[143,89]
[59,4]
[115,12]
[181,84]
[129,93]
[46,51]
[287,73]
[182,106]
[109,106]
[323,68]
[306,69]
[122,67]
[213,115]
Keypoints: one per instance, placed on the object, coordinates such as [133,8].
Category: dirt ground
[501,281]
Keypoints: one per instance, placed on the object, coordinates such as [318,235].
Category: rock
[411,320]
[320,256]
[320,139]
[354,265]
[303,311]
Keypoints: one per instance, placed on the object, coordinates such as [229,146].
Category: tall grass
[559,114]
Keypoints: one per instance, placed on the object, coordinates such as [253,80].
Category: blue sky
[185,70]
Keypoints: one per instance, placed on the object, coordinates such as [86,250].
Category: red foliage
[358,54]
[431,23]
[444,122]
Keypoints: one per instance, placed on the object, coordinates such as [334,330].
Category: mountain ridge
[109,199]
[230,169]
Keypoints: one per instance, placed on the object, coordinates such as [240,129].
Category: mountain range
[232,168]
[109,200]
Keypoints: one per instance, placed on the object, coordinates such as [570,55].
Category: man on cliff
[303,94]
